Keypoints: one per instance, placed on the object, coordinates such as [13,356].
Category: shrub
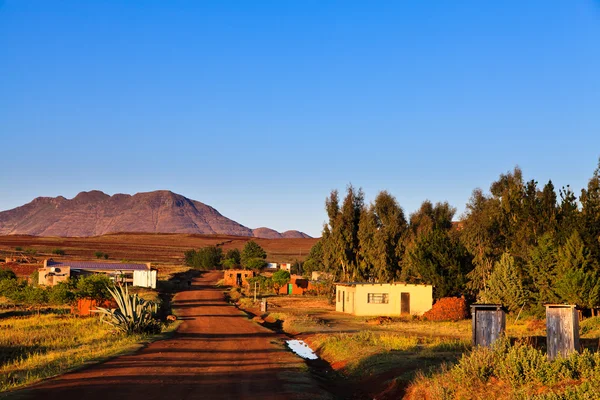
[61,294]
[99,254]
[7,274]
[58,252]
[134,314]
[94,287]
[105,256]
[448,309]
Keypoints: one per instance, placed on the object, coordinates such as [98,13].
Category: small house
[271,266]
[286,267]
[237,277]
[296,285]
[54,272]
[383,299]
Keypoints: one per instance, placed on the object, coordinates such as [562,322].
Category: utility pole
[255,291]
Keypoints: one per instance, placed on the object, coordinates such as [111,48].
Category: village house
[383,299]
[296,285]
[237,277]
[54,272]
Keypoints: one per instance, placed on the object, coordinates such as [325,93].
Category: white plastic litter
[302,349]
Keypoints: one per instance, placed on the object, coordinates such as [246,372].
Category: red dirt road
[217,353]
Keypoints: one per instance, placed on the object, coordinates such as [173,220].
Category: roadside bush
[95,287]
[134,314]
[507,371]
[61,294]
[264,284]
[205,258]
[448,309]
[7,274]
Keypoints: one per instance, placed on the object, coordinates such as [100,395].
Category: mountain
[95,213]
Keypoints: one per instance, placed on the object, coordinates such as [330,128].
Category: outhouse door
[290,288]
[404,303]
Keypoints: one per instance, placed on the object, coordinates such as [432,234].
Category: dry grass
[37,347]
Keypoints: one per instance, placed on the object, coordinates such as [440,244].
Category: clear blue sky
[260,108]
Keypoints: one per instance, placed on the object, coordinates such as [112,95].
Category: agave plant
[134,315]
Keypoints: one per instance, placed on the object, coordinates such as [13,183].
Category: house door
[343,301]
[290,288]
[404,303]
[238,280]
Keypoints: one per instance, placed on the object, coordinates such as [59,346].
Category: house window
[378,298]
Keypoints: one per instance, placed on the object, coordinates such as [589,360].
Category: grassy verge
[516,371]
[38,347]
[371,353]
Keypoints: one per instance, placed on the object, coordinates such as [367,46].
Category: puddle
[301,349]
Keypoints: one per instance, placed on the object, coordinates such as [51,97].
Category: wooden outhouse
[488,323]
[562,330]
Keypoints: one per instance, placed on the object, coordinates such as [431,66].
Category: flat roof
[98,266]
[380,284]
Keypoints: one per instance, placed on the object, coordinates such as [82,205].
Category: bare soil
[150,247]
[217,353]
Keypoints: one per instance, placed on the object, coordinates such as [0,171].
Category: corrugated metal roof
[90,265]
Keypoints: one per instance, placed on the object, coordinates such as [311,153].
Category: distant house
[286,266]
[320,275]
[271,266]
[296,285]
[237,277]
[383,299]
[54,272]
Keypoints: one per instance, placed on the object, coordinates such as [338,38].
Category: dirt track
[217,353]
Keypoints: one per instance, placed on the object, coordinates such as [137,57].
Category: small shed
[488,323]
[237,277]
[562,330]
[383,299]
[296,285]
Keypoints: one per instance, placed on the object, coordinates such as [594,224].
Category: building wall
[49,276]
[230,277]
[299,286]
[356,299]
[145,278]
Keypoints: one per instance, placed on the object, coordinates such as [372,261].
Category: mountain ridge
[95,213]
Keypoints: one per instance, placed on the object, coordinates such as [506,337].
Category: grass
[370,352]
[38,347]
[517,371]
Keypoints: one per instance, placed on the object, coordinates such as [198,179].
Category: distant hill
[268,233]
[95,213]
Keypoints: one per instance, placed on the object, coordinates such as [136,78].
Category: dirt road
[217,353]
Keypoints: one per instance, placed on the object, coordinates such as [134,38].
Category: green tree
[578,279]
[232,259]
[340,235]
[437,259]
[314,260]
[542,269]
[505,285]
[381,231]
[280,278]
[205,258]
[590,213]
[99,254]
[252,252]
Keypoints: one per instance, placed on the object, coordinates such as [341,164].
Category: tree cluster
[519,244]
[252,256]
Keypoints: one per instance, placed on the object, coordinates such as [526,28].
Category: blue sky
[261,108]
